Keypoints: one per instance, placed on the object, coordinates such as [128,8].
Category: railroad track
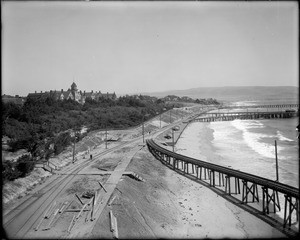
[18,221]
[26,215]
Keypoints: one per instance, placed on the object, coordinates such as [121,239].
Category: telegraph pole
[143,131]
[277,178]
[74,146]
[173,139]
[160,120]
[105,136]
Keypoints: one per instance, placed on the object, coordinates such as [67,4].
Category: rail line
[209,171]
[21,225]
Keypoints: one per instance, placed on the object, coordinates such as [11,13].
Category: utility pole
[277,178]
[160,120]
[74,146]
[105,136]
[173,139]
[170,116]
[143,131]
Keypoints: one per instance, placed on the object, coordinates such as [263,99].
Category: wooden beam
[80,212]
[49,210]
[77,210]
[39,224]
[62,207]
[111,200]
[79,199]
[71,224]
[93,207]
[102,186]
[51,221]
[112,221]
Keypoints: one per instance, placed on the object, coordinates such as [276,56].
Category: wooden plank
[79,199]
[39,224]
[77,210]
[93,206]
[112,221]
[62,207]
[71,224]
[50,210]
[111,200]
[66,208]
[53,216]
[95,198]
[81,211]
[116,233]
[102,186]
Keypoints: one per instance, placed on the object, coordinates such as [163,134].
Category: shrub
[24,165]
[9,172]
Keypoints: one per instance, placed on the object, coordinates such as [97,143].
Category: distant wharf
[289,105]
[229,116]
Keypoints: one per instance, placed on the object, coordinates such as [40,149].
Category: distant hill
[232,94]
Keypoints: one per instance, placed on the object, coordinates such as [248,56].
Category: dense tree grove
[41,126]
[40,119]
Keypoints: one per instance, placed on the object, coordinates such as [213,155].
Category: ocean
[247,145]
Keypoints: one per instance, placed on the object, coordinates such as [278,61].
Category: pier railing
[216,175]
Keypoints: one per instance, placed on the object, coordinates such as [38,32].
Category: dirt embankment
[169,205]
[18,188]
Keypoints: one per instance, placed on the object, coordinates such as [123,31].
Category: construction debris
[135,176]
[88,194]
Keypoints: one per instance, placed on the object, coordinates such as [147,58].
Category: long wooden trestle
[216,175]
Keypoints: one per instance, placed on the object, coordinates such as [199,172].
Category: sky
[133,47]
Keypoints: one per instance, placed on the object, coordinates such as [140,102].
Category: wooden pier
[202,170]
[286,105]
[229,116]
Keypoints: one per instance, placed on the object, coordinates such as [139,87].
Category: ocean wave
[283,138]
[253,140]
[244,124]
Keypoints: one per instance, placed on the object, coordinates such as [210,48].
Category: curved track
[280,187]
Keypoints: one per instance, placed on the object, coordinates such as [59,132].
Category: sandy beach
[169,205]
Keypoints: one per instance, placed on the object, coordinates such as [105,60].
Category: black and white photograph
[150,119]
